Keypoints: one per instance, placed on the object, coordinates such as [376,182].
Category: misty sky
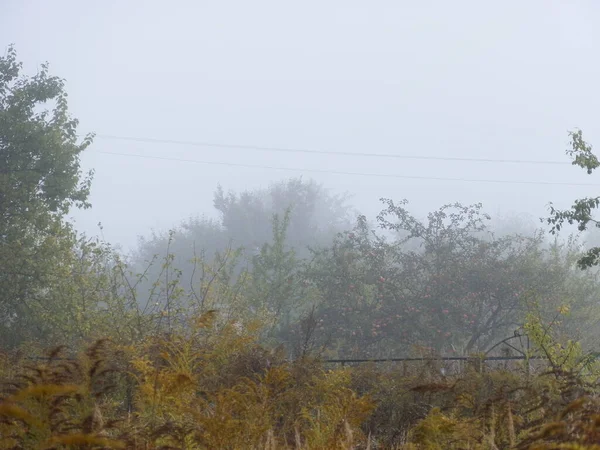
[499,80]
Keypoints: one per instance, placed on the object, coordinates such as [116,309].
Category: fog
[466,79]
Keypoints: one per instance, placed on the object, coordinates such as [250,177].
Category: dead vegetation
[217,388]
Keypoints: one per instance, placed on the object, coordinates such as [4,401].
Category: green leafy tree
[581,212]
[277,286]
[40,180]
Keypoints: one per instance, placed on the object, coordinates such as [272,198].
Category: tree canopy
[40,179]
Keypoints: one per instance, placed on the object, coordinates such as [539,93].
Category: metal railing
[440,358]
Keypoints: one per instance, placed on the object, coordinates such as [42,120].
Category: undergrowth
[215,387]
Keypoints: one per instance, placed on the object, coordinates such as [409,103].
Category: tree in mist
[40,180]
[446,284]
[315,215]
[195,237]
[312,217]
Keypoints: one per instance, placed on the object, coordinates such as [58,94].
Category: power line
[326,152]
[339,172]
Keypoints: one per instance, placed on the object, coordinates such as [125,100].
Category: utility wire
[325,152]
[338,172]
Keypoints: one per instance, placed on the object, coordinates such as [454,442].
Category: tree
[581,212]
[40,180]
[444,283]
[314,218]
[197,239]
[276,286]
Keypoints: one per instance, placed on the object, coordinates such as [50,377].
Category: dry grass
[218,389]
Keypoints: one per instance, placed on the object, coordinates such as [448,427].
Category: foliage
[561,351]
[213,387]
[62,403]
[277,284]
[314,214]
[581,212]
[245,223]
[445,283]
[40,179]
[211,336]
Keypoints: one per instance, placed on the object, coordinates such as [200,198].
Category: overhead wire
[324,152]
[339,172]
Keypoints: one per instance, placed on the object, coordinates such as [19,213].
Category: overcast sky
[467,79]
